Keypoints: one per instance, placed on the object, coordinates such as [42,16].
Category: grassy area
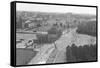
[25,36]
[23,56]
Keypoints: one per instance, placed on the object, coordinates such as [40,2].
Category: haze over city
[55,8]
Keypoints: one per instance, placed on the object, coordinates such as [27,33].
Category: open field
[25,36]
[23,56]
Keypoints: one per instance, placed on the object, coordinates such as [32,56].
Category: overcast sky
[55,8]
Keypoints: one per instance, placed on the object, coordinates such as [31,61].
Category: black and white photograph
[50,34]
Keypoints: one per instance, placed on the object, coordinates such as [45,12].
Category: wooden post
[55,45]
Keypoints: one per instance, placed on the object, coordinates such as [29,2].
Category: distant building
[29,24]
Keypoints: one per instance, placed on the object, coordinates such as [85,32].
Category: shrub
[88,28]
[81,53]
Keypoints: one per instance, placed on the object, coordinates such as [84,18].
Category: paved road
[43,54]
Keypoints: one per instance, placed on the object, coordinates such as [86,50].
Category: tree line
[81,53]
